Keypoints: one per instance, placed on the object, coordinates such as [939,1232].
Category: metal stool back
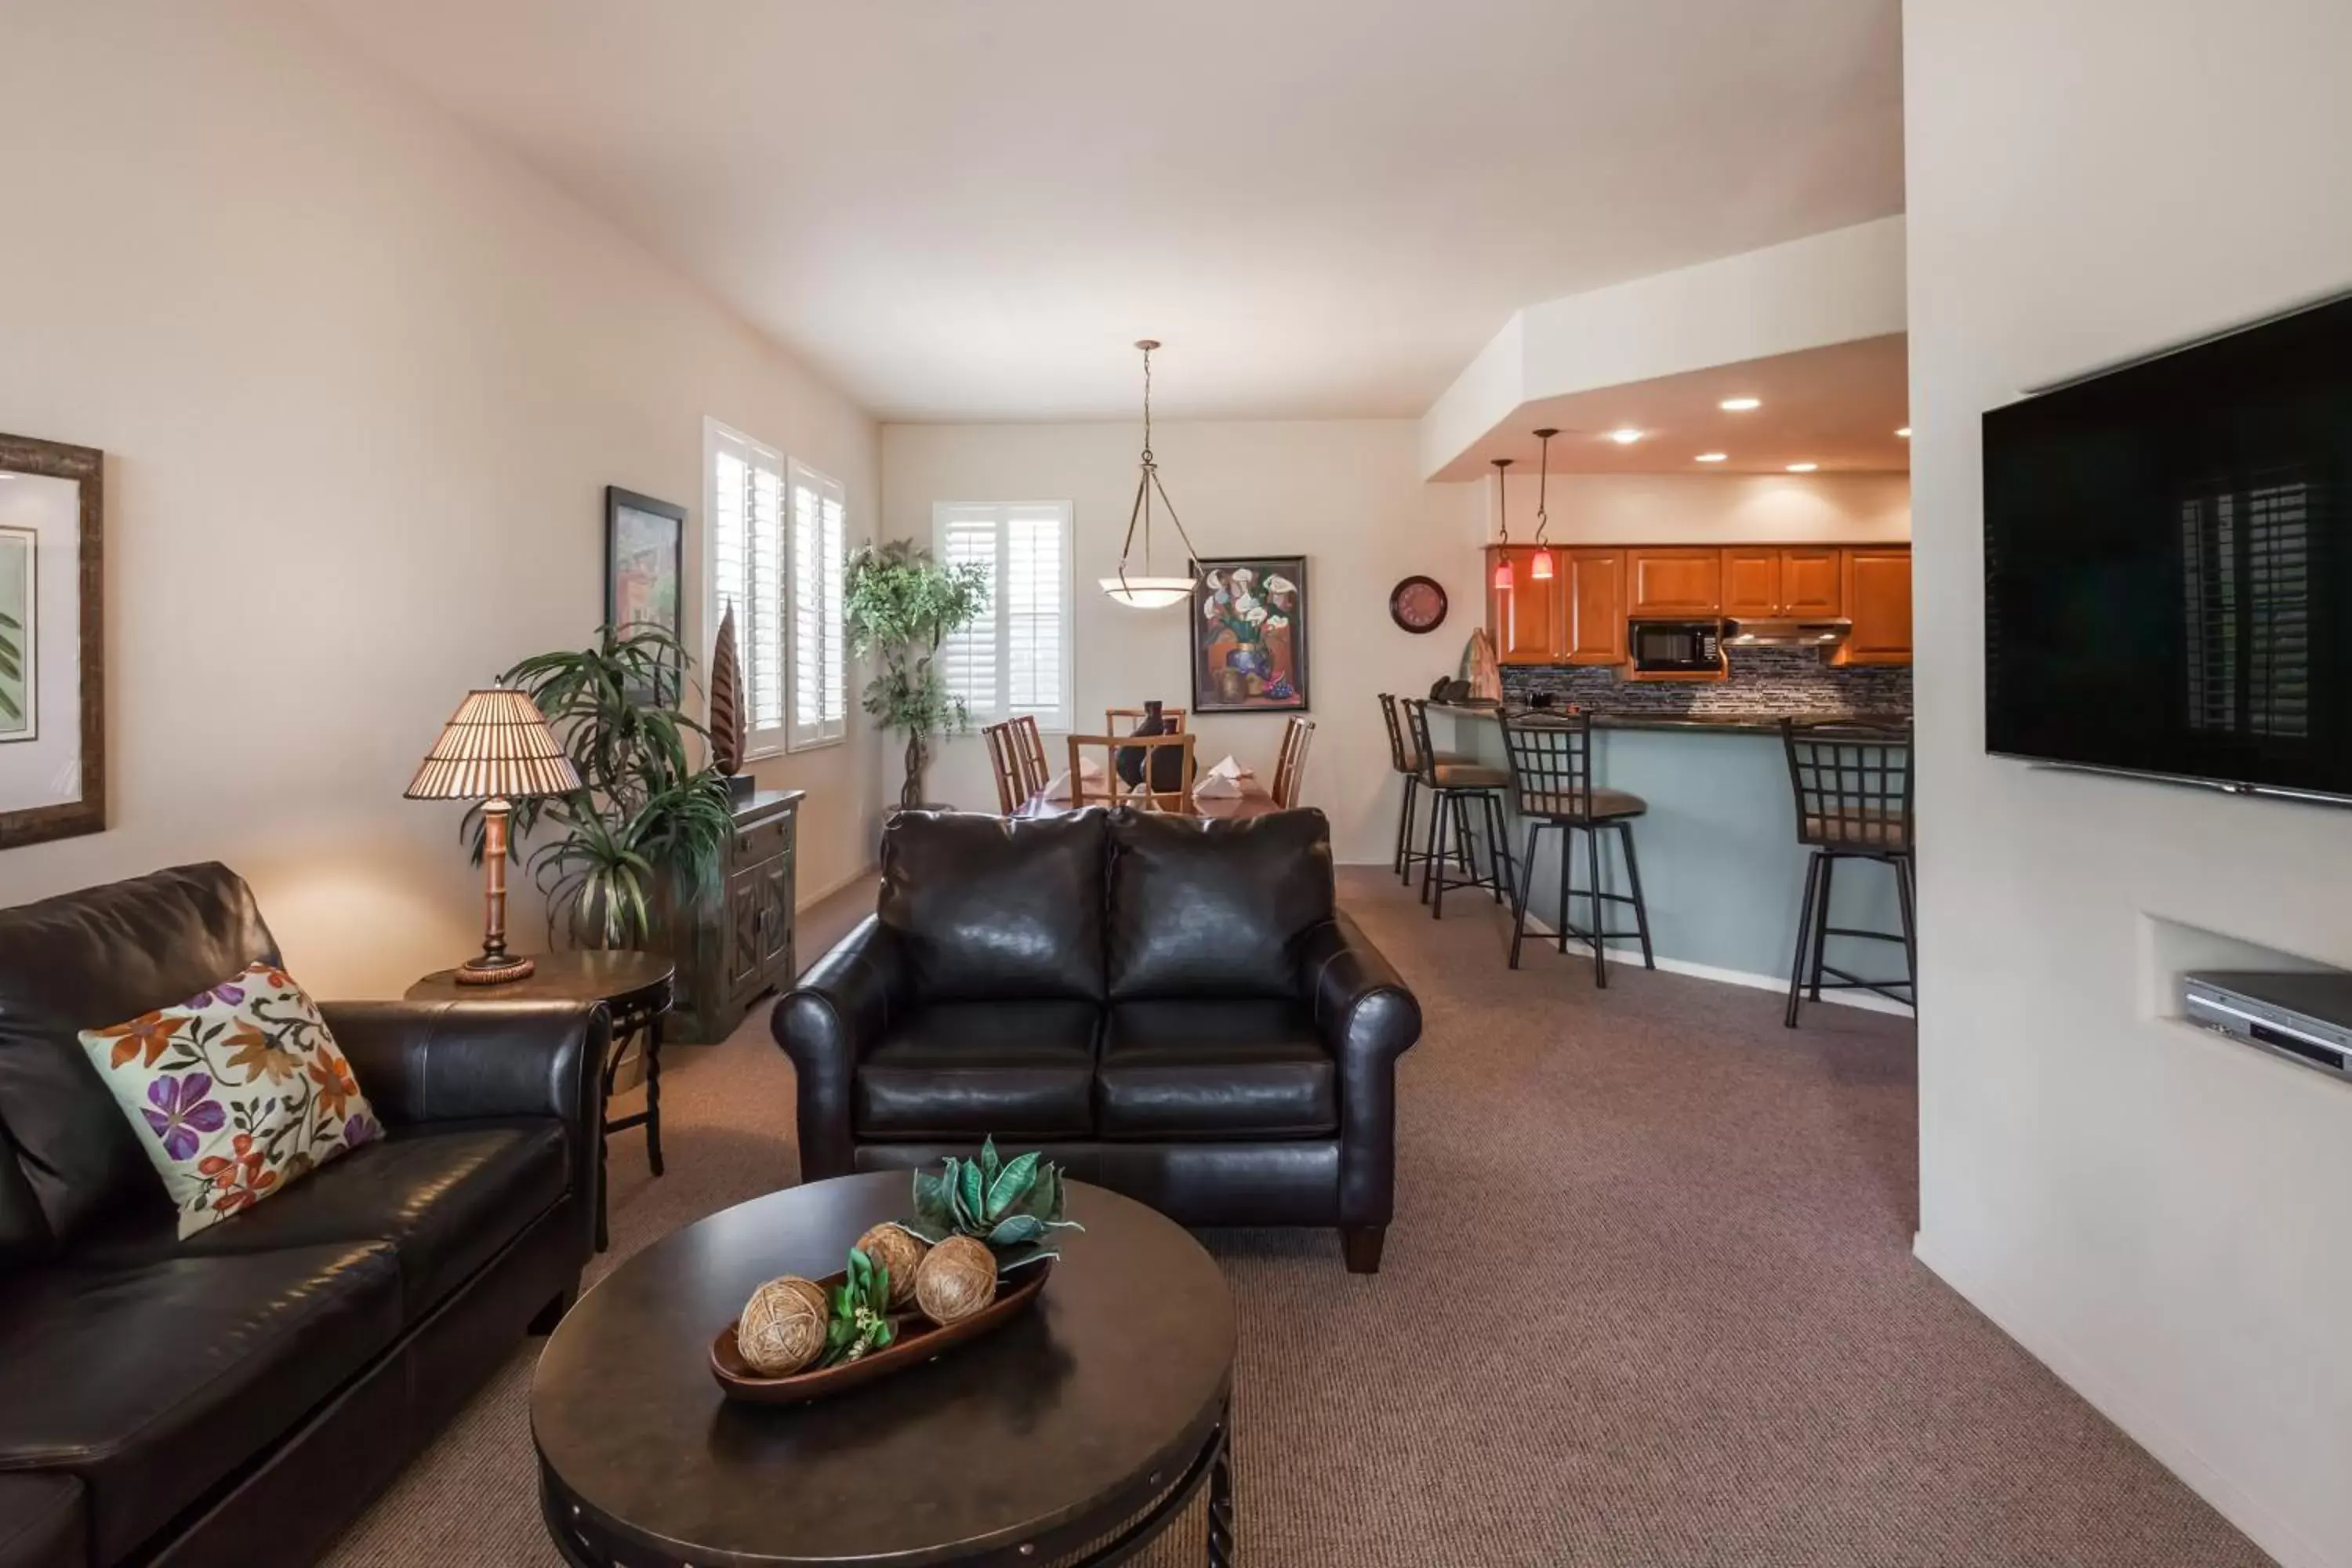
[1551,781]
[1401,758]
[1851,785]
[1453,783]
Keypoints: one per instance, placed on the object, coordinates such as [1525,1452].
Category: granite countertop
[1735,721]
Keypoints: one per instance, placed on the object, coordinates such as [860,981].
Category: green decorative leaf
[924,1231]
[1022,1258]
[1015,1230]
[1044,1199]
[931,1200]
[1004,1194]
[970,1203]
[988,1163]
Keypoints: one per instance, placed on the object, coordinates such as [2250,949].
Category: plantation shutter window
[1015,660]
[820,663]
[746,509]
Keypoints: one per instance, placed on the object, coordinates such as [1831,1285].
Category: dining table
[1253,801]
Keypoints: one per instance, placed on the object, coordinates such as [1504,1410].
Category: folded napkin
[1089,771]
[1222,780]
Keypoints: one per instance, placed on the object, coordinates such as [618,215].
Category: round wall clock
[1418,605]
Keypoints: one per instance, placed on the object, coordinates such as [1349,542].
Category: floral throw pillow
[234,1094]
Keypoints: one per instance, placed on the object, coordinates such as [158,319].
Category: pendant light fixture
[1540,567]
[1503,510]
[1141,590]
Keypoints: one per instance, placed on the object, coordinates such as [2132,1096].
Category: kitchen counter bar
[1721,867]
[1756,723]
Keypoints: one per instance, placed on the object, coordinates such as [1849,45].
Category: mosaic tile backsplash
[1768,681]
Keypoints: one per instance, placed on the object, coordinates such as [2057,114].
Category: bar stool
[1552,779]
[1407,762]
[1452,783]
[1852,787]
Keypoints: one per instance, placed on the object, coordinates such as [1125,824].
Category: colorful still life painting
[1249,634]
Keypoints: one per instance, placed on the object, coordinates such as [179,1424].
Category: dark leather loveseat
[1172,1008]
[234,1399]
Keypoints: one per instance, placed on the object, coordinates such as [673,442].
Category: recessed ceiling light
[1904,432]
[1802,468]
[1626,437]
[1711,456]
[1741,405]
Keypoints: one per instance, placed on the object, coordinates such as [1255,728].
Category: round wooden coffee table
[1074,1434]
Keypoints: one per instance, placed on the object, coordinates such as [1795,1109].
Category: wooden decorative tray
[919,1339]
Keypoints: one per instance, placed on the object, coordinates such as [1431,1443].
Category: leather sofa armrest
[1367,1018]
[43,1521]
[843,1005]
[453,1061]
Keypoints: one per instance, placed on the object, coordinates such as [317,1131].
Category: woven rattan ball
[899,1251]
[957,1278]
[783,1326]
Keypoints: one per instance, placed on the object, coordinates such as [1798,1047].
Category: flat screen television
[2168,565]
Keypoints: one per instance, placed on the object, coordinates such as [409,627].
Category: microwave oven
[1675,648]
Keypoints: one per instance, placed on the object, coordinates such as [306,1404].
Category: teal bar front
[1722,872]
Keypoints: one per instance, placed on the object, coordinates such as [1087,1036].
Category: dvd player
[2305,1017]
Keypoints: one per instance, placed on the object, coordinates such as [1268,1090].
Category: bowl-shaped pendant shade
[1147,592]
[1540,567]
[1502,573]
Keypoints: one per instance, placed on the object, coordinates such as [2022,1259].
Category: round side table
[1070,1437]
[637,989]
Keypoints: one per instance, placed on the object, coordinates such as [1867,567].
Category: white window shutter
[745,506]
[1015,660]
[820,662]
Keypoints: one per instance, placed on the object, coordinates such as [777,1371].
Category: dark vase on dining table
[1167,765]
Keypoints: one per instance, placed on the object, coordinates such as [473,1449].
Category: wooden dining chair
[1112,791]
[1290,767]
[1004,761]
[1119,721]
[1030,753]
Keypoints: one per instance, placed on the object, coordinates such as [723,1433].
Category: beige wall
[1342,493]
[362,380]
[2156,1212]
[1700,509]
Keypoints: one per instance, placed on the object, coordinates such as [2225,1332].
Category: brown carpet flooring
[1649,1299]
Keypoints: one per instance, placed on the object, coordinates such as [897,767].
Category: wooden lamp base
[494,965]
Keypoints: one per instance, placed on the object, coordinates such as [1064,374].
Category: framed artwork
[644,561]
[1248,631]
[52,642]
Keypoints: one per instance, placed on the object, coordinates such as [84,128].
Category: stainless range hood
[1825,632]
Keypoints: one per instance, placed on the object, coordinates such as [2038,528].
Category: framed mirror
[52,642]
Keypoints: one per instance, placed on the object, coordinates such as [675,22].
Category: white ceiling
[967,209]
[1837,406]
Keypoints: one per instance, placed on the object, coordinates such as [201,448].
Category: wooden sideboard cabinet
[740,944]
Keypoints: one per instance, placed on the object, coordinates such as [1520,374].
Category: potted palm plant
[643,836]
[899,606]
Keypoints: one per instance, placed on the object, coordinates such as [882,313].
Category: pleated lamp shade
[496,745]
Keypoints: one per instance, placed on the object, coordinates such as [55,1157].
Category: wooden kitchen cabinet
[1752,581]
[1877,583]
[1592,607]
[1680,581]
[1526,618]
[1813,582]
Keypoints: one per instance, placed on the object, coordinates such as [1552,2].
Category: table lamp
[495,748]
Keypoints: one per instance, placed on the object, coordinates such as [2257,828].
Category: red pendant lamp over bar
[1540,567]
[1503,510]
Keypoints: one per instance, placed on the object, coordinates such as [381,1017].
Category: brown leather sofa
[236,1398]
[1172,1008]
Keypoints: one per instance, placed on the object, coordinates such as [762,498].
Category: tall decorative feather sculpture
[728,738]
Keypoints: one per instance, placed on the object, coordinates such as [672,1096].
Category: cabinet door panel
[1676,582]
[1751,581]
[1593,604]
[1525,618]
[1878,599]
[1811,583]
